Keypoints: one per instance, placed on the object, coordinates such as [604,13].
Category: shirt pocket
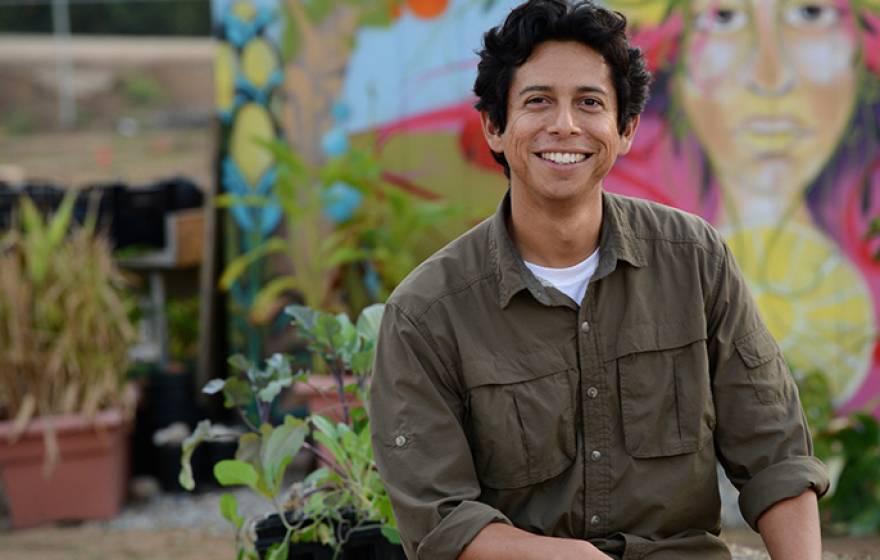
[665,389]
[759,353]
[521,420]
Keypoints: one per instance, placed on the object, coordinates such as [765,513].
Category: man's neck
[555,234]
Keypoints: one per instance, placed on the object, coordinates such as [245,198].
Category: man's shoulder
[652,221]
[463,262]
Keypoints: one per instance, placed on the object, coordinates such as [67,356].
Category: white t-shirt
[571,281]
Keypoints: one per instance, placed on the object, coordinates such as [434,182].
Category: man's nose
[564,122]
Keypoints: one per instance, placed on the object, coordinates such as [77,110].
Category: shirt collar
[616,242]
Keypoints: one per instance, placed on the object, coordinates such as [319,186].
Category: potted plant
[64,335]
[340,506]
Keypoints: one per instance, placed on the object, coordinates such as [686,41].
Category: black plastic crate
[361,544]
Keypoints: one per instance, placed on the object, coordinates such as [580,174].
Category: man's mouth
[563,158]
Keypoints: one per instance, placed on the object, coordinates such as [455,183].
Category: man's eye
[812,16]
[590,102]
[721,20]
[536,100]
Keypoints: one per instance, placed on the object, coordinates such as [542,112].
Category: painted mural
[764,119]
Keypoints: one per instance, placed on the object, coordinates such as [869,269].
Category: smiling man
[559,382]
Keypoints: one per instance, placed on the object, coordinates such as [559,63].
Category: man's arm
[498,541]
[790,528]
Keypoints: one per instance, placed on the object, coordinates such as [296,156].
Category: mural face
[768,87]
[764,119]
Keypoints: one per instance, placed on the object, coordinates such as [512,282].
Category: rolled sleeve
[458,529]
[762,439]
[783,480]
[422,452]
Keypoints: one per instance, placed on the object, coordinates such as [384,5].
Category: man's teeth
[562,157]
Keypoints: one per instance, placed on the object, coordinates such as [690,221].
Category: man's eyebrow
[544,89]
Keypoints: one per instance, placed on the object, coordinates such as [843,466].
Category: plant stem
[338,372]
[325,459]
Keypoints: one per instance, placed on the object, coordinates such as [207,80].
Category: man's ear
[628,135]
[491,133]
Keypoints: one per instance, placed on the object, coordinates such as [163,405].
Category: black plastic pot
[361,544]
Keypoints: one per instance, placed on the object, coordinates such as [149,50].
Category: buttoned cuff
[787,479]
[457,530]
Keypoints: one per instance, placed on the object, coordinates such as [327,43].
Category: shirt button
[400,441]
[595,520]
[596,455]
[592,392]
[585,327]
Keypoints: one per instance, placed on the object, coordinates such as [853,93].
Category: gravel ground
[189,527]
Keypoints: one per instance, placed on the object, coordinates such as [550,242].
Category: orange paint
[395,10]
[427,9]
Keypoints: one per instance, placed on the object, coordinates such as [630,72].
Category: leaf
[391,534]
[268,393]
[369,321]
[214,386]
[303,317]
[201,433]
[238,393]
[362,362]
[239,362]
[279,447]
[249,449]
[264,308]
[231,472]
[229,510]
[279,551]
[60,221]
[239,265]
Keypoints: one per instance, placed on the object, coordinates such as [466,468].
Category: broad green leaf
[391,534]
[249,449]
[362,362]
[230,472]
[238,393]
[229,510]
[239,362]
[279,447]
[201,433]
[369,321]
[303,317]
[326,329]
[273,389]
[214,386]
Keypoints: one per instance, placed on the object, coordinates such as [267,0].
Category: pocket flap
[756,348]
[650,337]
[513,367]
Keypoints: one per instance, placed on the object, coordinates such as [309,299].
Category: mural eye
[812,15]
[721,20]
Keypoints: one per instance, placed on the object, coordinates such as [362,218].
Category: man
[559,381]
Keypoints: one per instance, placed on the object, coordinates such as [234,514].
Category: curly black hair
[508,46]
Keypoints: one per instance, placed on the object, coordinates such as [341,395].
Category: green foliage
[344,494]
[141,89]
[392,231]
[850,447]
[183,327]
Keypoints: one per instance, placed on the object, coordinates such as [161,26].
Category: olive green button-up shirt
[498,399]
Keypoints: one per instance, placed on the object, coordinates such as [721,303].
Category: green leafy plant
[849,444]
[392,230]
[64,321]
[345,493]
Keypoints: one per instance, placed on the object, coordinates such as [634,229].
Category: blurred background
[215,161]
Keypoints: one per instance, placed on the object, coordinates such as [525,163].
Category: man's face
[561,137]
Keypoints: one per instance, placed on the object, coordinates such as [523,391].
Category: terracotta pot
[323,398]
[88,483]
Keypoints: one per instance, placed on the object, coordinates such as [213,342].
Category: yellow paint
[641,12]
[815,303]
[244,10]
[253,125]
[224,75]
[258,61]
